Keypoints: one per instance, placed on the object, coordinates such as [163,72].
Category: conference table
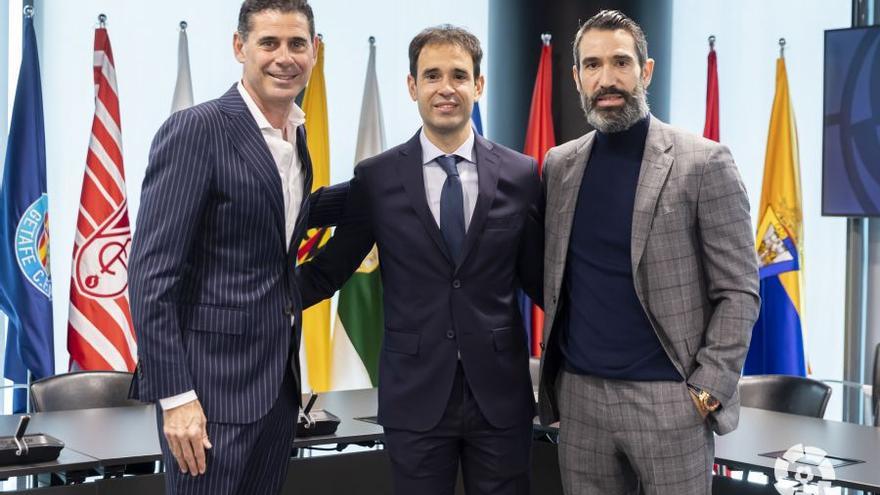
[101,442]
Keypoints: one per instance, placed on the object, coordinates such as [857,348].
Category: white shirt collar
[296,118]
[430,151]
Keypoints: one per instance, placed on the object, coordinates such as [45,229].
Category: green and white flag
[357,334]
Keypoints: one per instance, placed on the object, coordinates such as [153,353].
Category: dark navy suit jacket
[437,307]
[211,273]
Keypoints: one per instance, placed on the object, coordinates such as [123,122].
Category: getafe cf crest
[101,264]
[777,252]
[32,245]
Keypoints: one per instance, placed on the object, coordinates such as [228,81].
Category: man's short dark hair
[251,7]
[445,34]
[612,20]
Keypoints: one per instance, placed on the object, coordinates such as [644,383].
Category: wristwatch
[705,399]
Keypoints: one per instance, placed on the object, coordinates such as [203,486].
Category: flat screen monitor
[851,136]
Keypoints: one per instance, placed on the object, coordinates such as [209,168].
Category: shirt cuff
[178,400]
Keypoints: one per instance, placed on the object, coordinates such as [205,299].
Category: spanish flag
[316,320]
[777,341]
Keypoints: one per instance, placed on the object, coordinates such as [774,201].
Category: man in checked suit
[650,286]
[457,220]
[214,300]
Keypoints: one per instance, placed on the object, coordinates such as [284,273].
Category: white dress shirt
[435,176]
[282,146]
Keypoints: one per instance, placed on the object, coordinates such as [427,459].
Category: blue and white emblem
[32,245]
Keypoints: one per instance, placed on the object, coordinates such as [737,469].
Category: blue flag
[477,119]
[25,284]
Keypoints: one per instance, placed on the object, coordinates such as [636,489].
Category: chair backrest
[783,393]
[82,390]
[875,387]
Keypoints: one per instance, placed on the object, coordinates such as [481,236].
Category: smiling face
[610,81]
[445,88]
[278,56]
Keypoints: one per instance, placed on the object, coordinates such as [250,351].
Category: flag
[316,320]
[777,342]
[539,139]
[711,129]
[357,336]
[477,119]
[183,88]
[25,281]
[100,335]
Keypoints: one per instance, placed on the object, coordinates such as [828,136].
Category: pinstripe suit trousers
[245,459]
[616,436]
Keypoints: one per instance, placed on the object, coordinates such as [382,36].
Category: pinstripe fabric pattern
[615,435]
[212,292]
[212,289]
[693,259]
[246,459]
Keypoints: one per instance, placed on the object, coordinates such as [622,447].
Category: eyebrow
[276,38]
[625,57]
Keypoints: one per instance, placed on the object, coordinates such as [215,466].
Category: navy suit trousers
[494,461]
[245,459]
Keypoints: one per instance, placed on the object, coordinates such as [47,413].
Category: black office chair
[875,387]
[82,390]
[787,394]
[86,390]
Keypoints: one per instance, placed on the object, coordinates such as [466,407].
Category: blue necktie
[452,206]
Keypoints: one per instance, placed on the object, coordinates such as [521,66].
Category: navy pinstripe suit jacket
[211,276]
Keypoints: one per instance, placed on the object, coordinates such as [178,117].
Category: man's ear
[238,47]
[411,86]
[648,72]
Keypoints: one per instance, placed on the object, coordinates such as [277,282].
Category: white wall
[747,32]
[144,40]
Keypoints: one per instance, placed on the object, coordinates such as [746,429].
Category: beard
[610,120]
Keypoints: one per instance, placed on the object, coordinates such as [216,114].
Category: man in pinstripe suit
[650,284]
[214,300]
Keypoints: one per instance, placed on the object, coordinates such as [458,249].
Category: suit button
[456,284]
[450,334]
[541,345]
[553,299]
[288,310]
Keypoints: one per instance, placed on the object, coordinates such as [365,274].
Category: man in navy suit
[214,300]
[458,224]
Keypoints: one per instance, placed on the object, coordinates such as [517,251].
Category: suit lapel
[305,160]
[487,180]
[656,164]
[565,189]
[251,146]
[409,169]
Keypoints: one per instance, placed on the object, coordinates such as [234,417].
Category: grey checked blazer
[693,260]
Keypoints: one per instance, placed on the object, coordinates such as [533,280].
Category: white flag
[183,89]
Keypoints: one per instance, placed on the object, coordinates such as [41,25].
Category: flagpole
[782,48]
[102,21]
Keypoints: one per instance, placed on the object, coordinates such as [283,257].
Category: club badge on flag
[25,280]
[99,331]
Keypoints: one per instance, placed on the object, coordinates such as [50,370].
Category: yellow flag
[781,192]
[316,320]
[777,345]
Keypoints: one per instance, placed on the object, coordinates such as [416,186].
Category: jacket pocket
[504,338]
[215,319]
[502,223]
[402,342]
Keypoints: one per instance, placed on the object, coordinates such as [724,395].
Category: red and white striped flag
[100,335]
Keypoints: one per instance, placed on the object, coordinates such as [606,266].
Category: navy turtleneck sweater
[606,332]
